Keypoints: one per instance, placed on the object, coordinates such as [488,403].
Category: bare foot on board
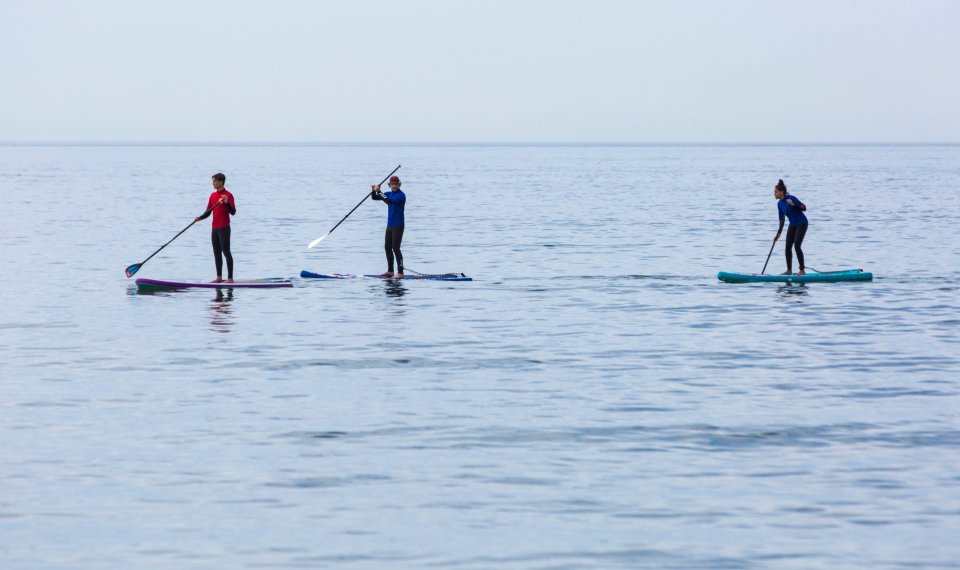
[217,280]
[387,274]
[801,272]
[228,280]
[785,273]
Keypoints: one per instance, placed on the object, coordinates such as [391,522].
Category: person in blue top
[791,208]
[395,202]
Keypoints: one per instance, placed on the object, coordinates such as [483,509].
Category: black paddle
[131,269]
[762,271]
[320,239]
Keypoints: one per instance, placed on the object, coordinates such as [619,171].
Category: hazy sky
[480,70]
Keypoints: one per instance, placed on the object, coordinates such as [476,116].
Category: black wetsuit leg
[798,242]
[795,235]
[221,246]
[217,259]
[391,244]
[788,251]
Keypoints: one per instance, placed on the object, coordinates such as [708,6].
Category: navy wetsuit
[395,201]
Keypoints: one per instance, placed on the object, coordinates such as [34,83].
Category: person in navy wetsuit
[791,208]
[395,201]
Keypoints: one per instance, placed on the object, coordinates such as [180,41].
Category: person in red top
[222,206]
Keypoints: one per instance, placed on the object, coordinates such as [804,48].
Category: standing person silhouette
[222,205]
[791,208]
[395,201]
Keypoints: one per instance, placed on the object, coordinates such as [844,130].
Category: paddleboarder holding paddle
[222,205]
[791,208]
[395,202]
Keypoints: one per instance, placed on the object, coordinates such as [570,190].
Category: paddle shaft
[385,178]
[138,265]
[762,271]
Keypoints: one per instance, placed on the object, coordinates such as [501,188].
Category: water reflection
[221,318]
[134,290]
[792,290]
[394,288]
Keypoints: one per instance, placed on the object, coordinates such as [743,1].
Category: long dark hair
[781,186]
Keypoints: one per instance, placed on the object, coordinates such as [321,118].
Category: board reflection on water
[793,290]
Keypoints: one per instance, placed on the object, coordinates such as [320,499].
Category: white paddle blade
[316,241]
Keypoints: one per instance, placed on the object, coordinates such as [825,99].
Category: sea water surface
[596,398]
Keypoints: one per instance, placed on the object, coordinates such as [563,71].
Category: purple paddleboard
[253,284]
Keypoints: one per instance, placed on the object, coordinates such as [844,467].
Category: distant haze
[480,71]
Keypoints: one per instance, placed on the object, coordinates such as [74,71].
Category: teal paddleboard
[825,277]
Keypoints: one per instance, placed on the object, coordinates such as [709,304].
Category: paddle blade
[316,241]
[130,270]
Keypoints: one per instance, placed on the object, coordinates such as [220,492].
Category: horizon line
[464,143]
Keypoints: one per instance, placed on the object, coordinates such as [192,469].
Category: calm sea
[596,398]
